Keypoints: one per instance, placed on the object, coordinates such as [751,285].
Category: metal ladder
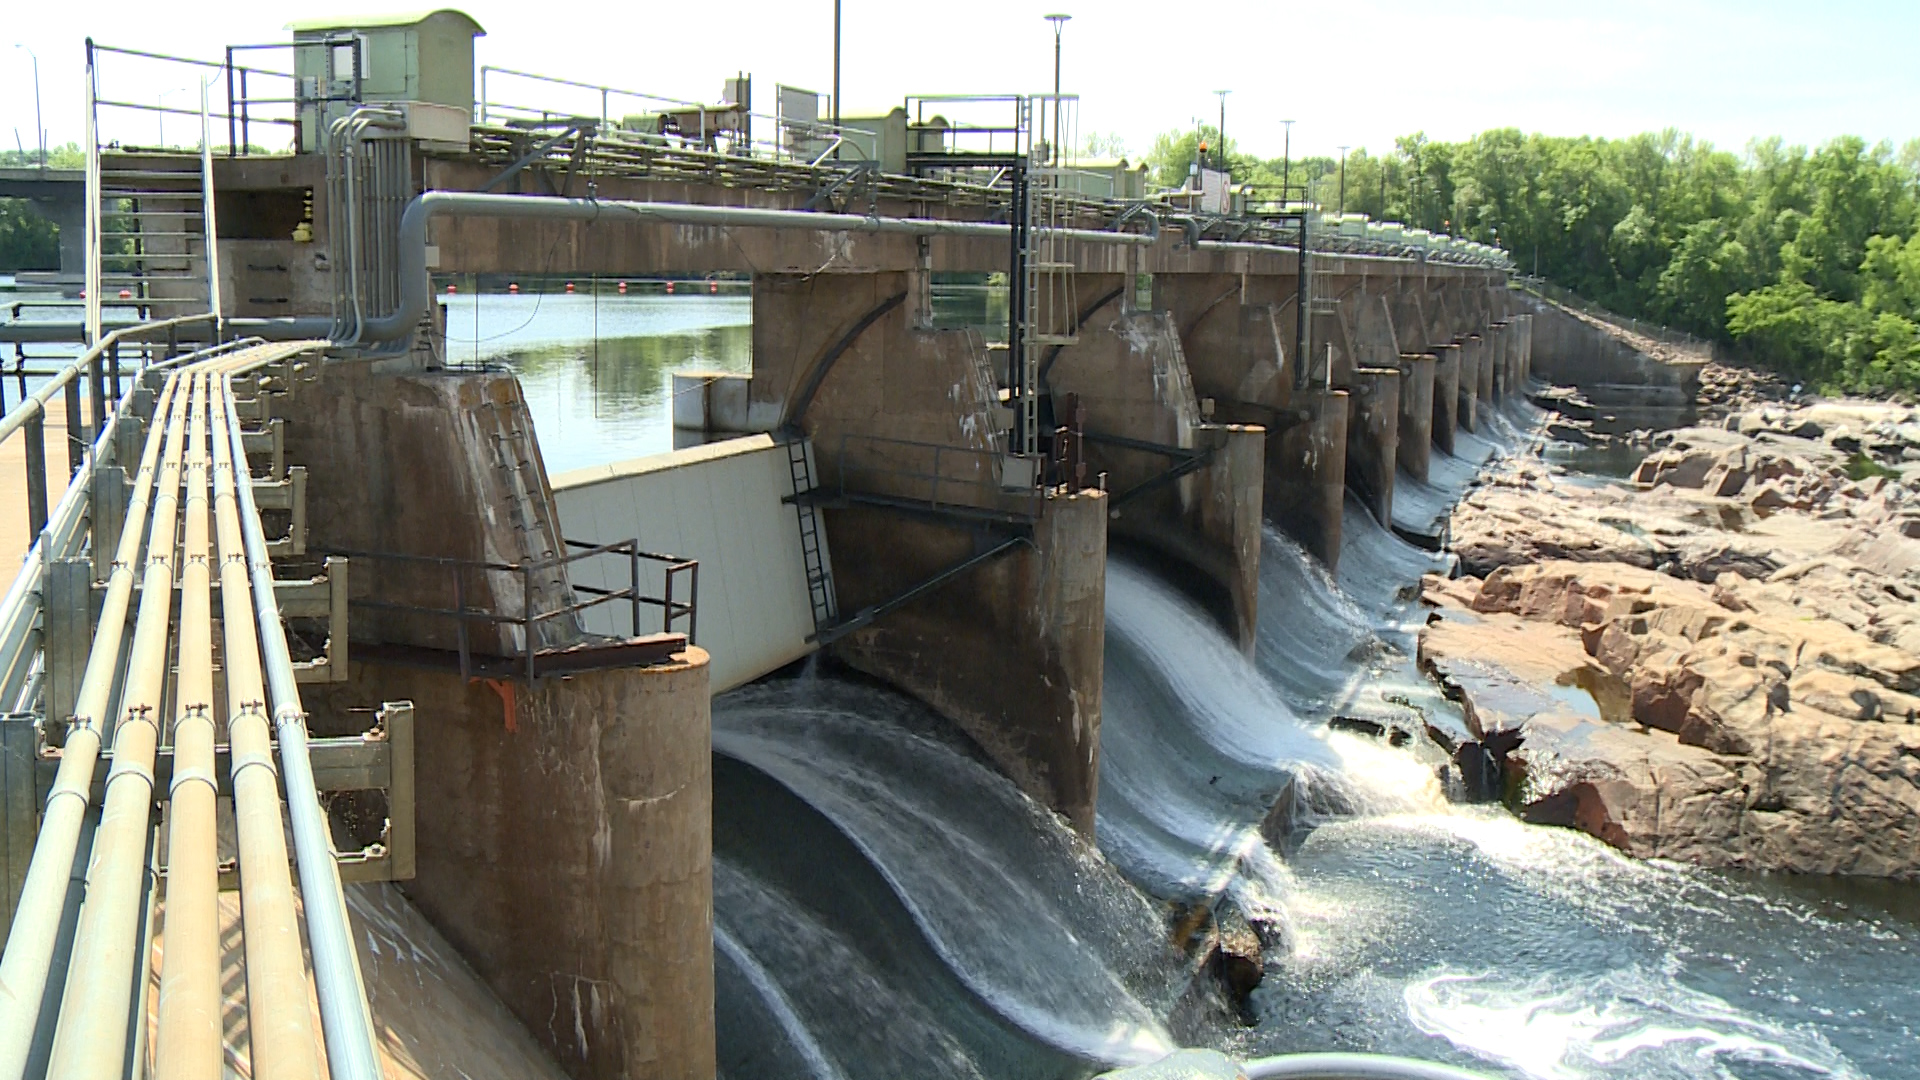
[1048,292]
[826,609]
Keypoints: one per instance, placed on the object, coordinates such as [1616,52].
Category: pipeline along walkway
[76,964]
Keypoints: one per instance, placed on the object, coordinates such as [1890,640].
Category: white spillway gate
[725,505]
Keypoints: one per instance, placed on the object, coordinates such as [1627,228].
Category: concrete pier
[1306,472]
[1373,438]
[1472,360]
[580,887]
[1446,394]
[1416,413]
[1128,376]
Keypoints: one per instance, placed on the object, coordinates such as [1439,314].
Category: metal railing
[528,621]
[242,91]
[931,477]
[101,367]
[727,129]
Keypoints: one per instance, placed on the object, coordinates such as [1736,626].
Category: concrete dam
[971,628]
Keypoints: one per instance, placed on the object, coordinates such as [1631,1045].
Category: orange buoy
[513,287]
[451,290]
[713,286]
[126,294]
[669,286]
[569,286]
[623,288]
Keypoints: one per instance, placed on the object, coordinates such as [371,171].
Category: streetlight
[1222,133]
[1058,20]
[836,66]
[1286,166]
[1343,180]
[39,125]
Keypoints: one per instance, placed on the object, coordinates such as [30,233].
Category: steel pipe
[279,1011]
[105,966]
[1351,1067]
[187,1045]
[345,1022]
[28,957]
[415,291]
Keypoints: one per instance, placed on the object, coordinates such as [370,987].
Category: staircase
[153,233]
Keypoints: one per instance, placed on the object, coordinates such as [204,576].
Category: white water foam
[1627,1021]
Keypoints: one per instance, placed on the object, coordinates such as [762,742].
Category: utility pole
[39,125]
[1058,20]
[1343,180]
[836,66]
[1286,166]
[1224,160]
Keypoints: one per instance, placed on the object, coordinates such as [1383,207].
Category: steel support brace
[36,437]
[66,596]
[19,818]
[106,516]
[271,441]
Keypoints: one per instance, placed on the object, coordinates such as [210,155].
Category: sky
[1357,73]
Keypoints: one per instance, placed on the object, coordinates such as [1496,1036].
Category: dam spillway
[724,653]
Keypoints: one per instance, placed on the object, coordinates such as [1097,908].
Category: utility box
[339,63]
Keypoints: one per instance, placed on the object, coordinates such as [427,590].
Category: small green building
[424,57]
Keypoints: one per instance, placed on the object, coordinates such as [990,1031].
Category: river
[886,904]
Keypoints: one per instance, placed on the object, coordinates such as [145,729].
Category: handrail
[36,404]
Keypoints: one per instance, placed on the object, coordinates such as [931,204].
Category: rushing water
[887,904]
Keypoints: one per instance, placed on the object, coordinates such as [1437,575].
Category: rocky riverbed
[1716,660]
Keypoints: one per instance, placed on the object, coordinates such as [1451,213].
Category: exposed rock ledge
[1719,663]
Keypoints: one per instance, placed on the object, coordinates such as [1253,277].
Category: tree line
[1807,260]
[27,240]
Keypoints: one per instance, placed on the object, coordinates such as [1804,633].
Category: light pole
[1222,133]
[1343,180]
[39,125]
[836,66]
[1286,166]
[1058,20]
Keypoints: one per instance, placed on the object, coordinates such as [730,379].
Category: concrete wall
[565,848]
[437,464]
[720,504]
[1446,394]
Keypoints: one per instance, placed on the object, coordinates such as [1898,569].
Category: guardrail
[101,366]
[473,663]
[239,90]
[932,477]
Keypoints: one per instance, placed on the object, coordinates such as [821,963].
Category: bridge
[385,543]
